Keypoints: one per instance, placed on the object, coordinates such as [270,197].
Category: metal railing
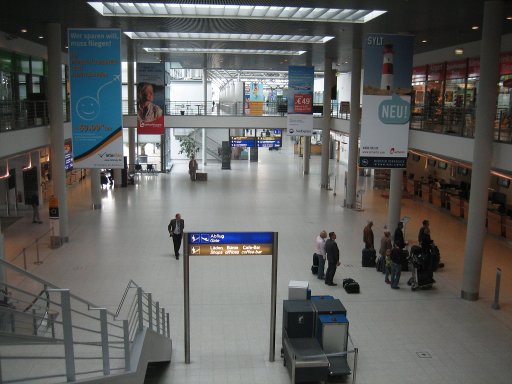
[23,114]
[85,341]
[34,252]
[459,121]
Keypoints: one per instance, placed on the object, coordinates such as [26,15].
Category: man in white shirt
[320,252]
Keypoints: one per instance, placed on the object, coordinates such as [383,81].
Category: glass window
[37,67]
[22,84]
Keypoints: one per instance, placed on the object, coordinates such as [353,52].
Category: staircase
[49,335]
[212,147]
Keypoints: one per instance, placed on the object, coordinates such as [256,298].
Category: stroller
[422,269]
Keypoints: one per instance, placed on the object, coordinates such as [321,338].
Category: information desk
[494,223]
[455,206]
[508,227]
[436,197]
[425,193]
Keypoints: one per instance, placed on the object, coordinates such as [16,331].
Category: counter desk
[508,227]
[437,197]
[494,223]
[455,205]
[425,193]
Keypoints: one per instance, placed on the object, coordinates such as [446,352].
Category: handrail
[31,244]
[77,329]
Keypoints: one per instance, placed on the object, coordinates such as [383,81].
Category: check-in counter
[494,223]
[465,208]
[410,186]
[508,227]
[436,197]
[417,187]
[425,193]
[455,206]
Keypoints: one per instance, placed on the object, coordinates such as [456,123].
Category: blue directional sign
[231,238]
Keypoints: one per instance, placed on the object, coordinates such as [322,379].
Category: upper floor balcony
[454,121]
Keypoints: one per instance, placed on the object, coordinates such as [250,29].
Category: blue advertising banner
[300,100]
[96,115]
[386,101]
[150,98]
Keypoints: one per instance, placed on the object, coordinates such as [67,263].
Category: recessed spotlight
[509,17]
[24,30]
[475,27]
[41,37]
[66,47]
[424,41]
[459,51]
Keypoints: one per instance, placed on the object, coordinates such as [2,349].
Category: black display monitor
[442,165]
[502,182]
[431,162]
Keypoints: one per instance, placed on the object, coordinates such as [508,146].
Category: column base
[55,242]
[470,296]
[96,206]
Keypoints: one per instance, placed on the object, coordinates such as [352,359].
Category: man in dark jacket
[333,258]
[398,238]
[175,229]
[396,266]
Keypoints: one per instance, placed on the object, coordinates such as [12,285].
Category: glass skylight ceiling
[228,36]
[235,12]
[226,51]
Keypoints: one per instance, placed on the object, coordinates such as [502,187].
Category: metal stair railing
[212,146]
[87,341]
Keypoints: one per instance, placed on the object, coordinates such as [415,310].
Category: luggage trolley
[422,276]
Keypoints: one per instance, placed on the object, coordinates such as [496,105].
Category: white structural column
[482,153]
[326,123]
[205,98]
[95,188]
[395,197]
[131,106]
[55,109]
[306,153]
[355,117]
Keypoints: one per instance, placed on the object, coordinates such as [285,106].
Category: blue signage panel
[242,141]
[231,238]
[96,116]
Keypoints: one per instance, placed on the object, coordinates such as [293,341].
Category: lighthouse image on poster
[386,80]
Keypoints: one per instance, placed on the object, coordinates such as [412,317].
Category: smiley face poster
[96,115]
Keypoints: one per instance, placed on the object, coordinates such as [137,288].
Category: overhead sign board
[230,243]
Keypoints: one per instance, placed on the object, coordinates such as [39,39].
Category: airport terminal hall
[253,192]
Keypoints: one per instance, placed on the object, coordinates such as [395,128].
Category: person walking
[333,258]
[34,202]
[320,253]
[368,238]
[175,229]
[192,168]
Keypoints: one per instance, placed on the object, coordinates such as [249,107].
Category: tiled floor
[467,342]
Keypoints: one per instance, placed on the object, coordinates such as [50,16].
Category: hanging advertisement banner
[386,101]
[256,99]
[150,98]
[300,100]
[96,115]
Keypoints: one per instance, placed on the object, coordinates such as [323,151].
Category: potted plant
[189,147]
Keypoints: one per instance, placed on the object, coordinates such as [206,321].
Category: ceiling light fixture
[475,27]
[509,17]
[41,37]
[459,51]
[424,41]
[228,36]
[219,11]
[24,30]
[225,51]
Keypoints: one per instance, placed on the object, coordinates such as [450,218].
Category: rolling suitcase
[314,267]
[369,257]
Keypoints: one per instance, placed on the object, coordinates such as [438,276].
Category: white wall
[189,91]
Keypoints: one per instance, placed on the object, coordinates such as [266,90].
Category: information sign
[230,243]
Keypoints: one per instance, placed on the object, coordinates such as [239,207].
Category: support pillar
[482,152]
[306,153]
[355,117]
[205,98]
[95,188]
[395,197]
[326,123]
[56,113]
[131,106]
